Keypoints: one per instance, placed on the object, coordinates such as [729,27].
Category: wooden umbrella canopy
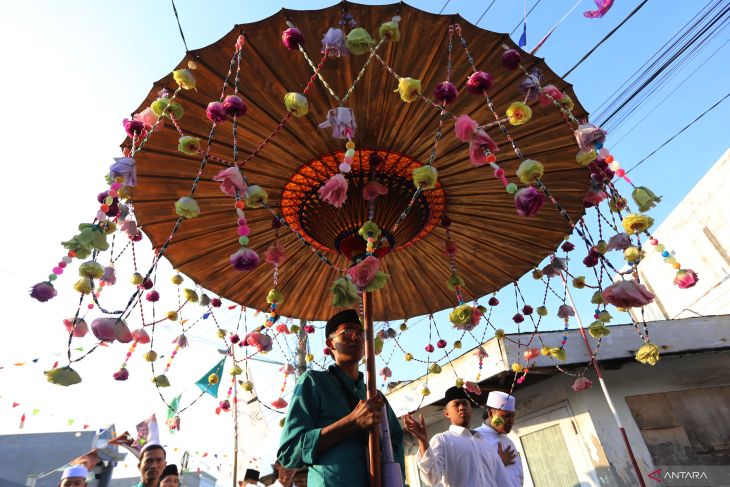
[496,246]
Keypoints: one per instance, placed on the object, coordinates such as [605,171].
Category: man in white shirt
[456,457]
[499,417]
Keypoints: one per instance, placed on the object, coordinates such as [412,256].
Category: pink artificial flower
[511,59]
[282,328]
[141,336]
[216,112]
[260,341]
[292,38]
[122,333]
[479,82]
[130,228]
[287,369]
[225,405]
[528,201]
[103,329]
[480,353]
[464,127]
[363,273]
[565,311]
[134,128]
[374,189]
[581,384]
[275,253]
[530,354]
[148,118]
[627,294]
[685,278]
[451,248]
[279,403]
[593,198]
[234,106]
[231,180]
[386,372]
[476,316]
[181,341]
[43,291]
[553,92]
[78,327]
[244,259]
[480,145]
[445,93]
[472,388]
[174,423]
[334,191]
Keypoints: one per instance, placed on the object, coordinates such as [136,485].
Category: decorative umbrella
[342,202]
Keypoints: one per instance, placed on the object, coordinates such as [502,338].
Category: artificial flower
[234,106]
[581,384]
[567,102]
[585,157]
[425,177]
[557,353]
[334,191]
[579,282]
[231,181]
[76,326]
[161,381]
[461,317]
[548,94]
[480,145]
[604,316]
[141,336]
[342,121]
[125,167]
[454,281]
[409,89]
[184,79]
[163,105]
[530,85]
[256,196]
[542,311]
[648,354]
[620,241]
[588,134]
[363,273]
[531,354]
[344,293]
[381,278]
[511,59]
[83,286]
[518,113]
[121,374]
[389,31]
[598,330]
[245,259]
[517,368]
[260,341]
[636,223]
[479,82]
[187,207]
[216,112]
[148,117]
[292,38]
[373,189]
[296,103]
[593,197]
[274,254]
[133,127]
[91,269]
[279,403]
[597,297]
[359,41]
[445,93]
[63,376]
[633,254]
[188,145]
[528,201]
[645,198]
[386,372]
[333,43]
[109,278]
[685,278]
[529,171]
[472,388]
[43,291]
[369,229]
[275,297]
[627,294]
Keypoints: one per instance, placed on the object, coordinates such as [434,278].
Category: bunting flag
[22,421]
[204,383]
[523,38]
[603,7]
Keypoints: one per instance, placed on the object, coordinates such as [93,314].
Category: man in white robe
[499,417]
[456,457]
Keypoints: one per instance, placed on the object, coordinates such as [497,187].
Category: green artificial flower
[63,376]
[460,317]
[359,41]
[598,330]
[381,278]
[369,229]
[275,297]
[648,354]
[187,207]
[454,281]
[344,293]
[91,269]
[256,197]
[389,31]
[188,145]
[645,198]
[530,171]
[425,177]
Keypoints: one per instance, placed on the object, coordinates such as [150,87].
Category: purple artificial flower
[216,112]
[567,247]
[234,106]
[620,241]
[511,59]
[43,291]
[121,374]
[292,38]
[244,259]
[445,92]
[479,82]
[528,201]
[565,311]
[493,301]
[530,86]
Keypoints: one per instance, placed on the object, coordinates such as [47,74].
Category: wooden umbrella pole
[374,436]
[235,427]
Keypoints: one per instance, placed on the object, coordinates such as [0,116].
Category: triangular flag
[16,404]
[203,383]
[55,364]
[79,349]
[232,307]
[36,411]
[174,405]
[86,426]
[35,360]
[523,38]
[19,364]
[22,421]
[71,421]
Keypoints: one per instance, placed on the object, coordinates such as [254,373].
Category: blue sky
[73,70]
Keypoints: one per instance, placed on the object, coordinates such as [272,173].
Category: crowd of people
[330,417]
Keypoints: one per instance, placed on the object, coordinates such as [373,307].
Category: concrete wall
[591,416]
[698,231]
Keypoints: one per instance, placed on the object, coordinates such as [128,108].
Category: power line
[606,37]
[442,8]
[484,13]
[174,9]
[678,133]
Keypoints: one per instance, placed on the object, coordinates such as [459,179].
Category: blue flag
[523,38]
[204,382]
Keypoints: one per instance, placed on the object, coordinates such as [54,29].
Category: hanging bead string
[319,75]
[362,71]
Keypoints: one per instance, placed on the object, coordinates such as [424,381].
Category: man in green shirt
[329,417]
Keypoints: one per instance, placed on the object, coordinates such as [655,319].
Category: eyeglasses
[350,334]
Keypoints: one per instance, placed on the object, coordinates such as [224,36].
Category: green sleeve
[300,435]
[396,438]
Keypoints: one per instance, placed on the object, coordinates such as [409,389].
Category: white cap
[75,471]
[501,400]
